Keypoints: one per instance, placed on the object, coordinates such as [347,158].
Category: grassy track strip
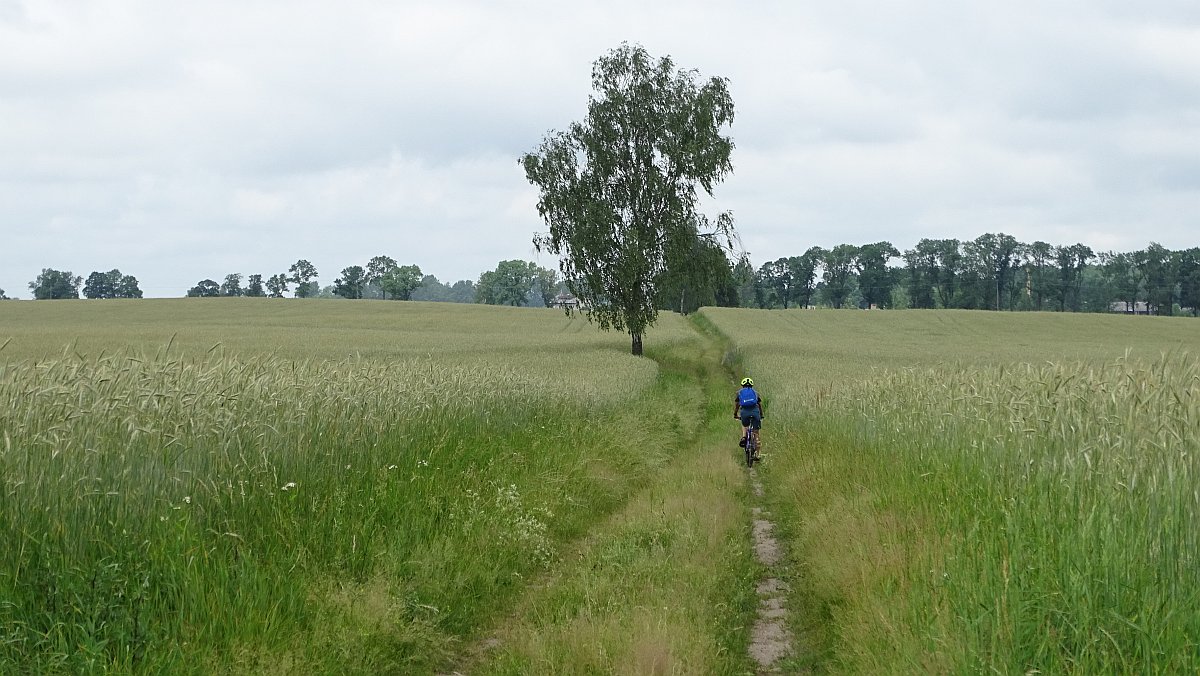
[790,633]
[664,586]
[650,594]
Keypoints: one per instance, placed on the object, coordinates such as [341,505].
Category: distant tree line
[514,282]
[54,284]
[995,271]
[301,274]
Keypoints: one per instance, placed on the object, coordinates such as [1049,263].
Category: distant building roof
[1139,307]
[564,300]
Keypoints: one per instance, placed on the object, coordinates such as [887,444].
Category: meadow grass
[970,492]
[666,584]
[262,486]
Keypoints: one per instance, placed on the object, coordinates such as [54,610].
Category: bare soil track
[770,640]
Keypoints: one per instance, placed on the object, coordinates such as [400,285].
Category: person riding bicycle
[748,408]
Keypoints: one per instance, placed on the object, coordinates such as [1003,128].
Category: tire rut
[770,638]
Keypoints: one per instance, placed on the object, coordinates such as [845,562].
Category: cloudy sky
[179,141]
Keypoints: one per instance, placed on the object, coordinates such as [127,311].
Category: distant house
[1138,308]
[566,301]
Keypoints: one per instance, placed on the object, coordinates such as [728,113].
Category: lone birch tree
[619,190]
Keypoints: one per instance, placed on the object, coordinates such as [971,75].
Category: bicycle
[749,441]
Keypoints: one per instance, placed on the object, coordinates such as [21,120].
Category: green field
[968,492]
[314,486]
[281,486]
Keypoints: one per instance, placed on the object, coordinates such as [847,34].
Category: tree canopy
[277,285]
[839,263]
[875,278]
[619,190]
[302,273]
[400,281]
[205,288]
[509,284]
[350,284]
[430,289]
[704,278]
[254,287]
[111,284]
[232,286]
[55,285]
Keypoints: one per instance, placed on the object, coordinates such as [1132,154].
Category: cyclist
[748,408]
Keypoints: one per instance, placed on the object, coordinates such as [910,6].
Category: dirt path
[665,584]
[770,640]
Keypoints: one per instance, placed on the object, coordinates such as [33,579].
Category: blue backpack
[747,397]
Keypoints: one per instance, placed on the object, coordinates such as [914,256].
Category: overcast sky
[182,141]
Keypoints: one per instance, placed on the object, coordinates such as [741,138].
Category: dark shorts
[751,417]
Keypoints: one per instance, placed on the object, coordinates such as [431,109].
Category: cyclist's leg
[756,431]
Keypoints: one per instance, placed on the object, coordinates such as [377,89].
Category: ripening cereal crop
[204,486]
[1005,493]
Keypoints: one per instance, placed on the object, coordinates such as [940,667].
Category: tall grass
[1014,509]
[667,584]
[1063,498]
[188,510]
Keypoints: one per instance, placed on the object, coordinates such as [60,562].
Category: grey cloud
[14,14]
[181,142]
